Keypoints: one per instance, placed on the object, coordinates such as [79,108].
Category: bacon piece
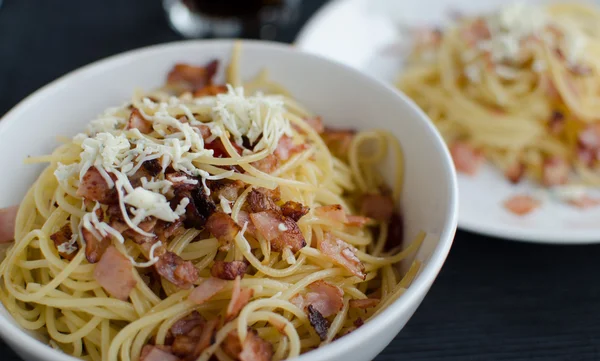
[364,303]
[8,217]
[239,298]
[294,210]
[318,322]
[515,172]
[357,221]
[165,230]
[254,347]
[199,208]
[137,121]
[114,273]
[338,141]
[210,90]
[192,77]
[224,228]
[177,271]
[226,188]
[590,137]
[228,270]
[521,204]
[206,337]
[395,234]
[475,32]
[556,124]
[244,219]
[555,171]
[94,248]
[584,202]
[279,230]
[152,167]
[154,353]
[333,212]
[219,149]
[147,225]
[63,236]
[466,158]
[377,206]
[266,165]
[207,289]
[341,253]
[186,324]
[259,201]
[286,148]
[93,187]
[326,298]
[316,123]
[182,181]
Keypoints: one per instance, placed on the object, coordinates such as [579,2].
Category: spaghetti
[518,87]
[201,221]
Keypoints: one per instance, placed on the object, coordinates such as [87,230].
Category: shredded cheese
[152,258]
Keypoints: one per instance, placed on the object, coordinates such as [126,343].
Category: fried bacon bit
[198,210]
[333,212]
[224,228]
[555,171]
[152,167]
[137,121]
[147,225]
[358,322]
[8,217]
[341,253]
[590,137]
[155,353]
[266,165]
[177,271]
[318,322]
[226,188]
[466,158]
[364,303]
[165,230]
[395,234]
[286,148]
[63,236]
[192,77]
[281,231]
[114,273]
[185,325]
[515,172]
[244,219]
[181,181]
[584,202]
[259,201]
[294,210]
[254,347]
[521,204]
[325,298]
[357,221]
[219,150]
[94,248]
[228,270]
[207,289]
[477,31]
[377,206]
[316,123]
[556,124]
[207,336]
[338,141]
[239,298]
[210,90]
[93,187]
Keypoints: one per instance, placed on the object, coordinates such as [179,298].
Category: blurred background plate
[368,35]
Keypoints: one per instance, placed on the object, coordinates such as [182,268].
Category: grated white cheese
[473,73]
[152,258]
[225,205]
[153,204]
[69,246]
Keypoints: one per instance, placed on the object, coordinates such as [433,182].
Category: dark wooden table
[494,299]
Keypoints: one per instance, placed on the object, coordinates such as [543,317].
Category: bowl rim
[15,335]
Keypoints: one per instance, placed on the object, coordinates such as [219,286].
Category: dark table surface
[493,300]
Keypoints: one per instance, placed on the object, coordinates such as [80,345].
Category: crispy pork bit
[515,172]
[181,181]
[326,298]
[226,188]
[555,171]
[364,303]
[114,273]
[254,348]
[377,206]
[165,230]
[338,141]
[8,217]
[318,322]
[137,121]
[185,325]
[147,225]
[63,237]
[152,167]
[266,165]
[281,231]
[210,90]
[556,124]
[239,299]
[177,271]
[224,228]
[357,221]
[93,187]
[466,158]
[229,270]
[316,123]
[207,289]
[260,201]
[156,353]
[286,148]
[521,204]
[294,210]
[192,78]
[332,212]
[395,234]
[199,208]
[342,254]
[94,247]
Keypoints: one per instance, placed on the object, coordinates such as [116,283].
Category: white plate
[365,35]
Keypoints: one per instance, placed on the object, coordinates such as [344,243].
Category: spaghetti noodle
[201,221]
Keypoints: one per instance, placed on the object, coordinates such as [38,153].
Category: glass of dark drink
[259,19]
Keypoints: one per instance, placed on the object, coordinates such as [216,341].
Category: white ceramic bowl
[343,96]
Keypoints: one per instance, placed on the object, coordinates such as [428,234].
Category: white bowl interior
[342,96]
